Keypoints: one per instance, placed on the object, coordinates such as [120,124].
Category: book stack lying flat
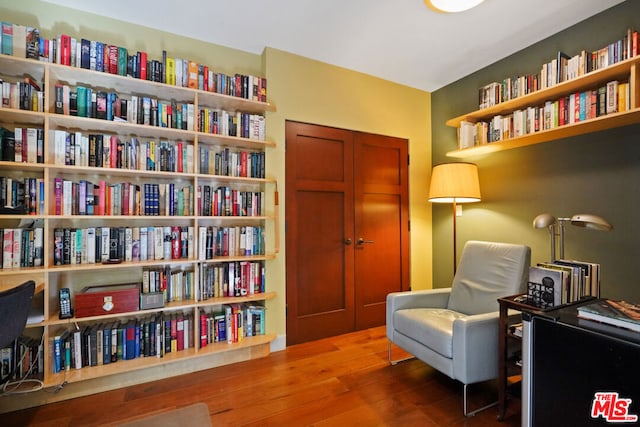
[613,312]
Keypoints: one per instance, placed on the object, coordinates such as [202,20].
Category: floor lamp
[454,183]
[556,228]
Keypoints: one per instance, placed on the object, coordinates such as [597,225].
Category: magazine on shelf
[614,312]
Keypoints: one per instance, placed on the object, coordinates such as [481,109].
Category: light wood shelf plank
[588,126]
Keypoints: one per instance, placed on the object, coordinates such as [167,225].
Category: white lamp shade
[454,182]
[451,6]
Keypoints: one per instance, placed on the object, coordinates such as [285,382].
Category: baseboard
[279,343]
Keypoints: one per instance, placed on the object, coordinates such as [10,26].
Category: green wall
[597,173]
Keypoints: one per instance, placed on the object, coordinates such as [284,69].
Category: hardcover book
[547,286]
[7,39]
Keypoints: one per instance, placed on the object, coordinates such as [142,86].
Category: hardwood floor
[339,381]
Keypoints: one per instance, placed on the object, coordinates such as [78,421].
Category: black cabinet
[578,372]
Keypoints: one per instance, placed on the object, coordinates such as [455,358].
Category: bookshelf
[624,71]
[50,277]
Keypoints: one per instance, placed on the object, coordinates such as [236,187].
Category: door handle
[361,241]
[347,241]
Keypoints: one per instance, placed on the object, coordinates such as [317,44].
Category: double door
[347,229]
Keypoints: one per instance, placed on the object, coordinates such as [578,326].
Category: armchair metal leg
[395,362]
[472,413]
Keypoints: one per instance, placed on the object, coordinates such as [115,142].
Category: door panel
[381,203]
[319,158]
[319,212]
[320,233]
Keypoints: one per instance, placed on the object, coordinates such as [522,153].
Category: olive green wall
[302,90]
[597,173]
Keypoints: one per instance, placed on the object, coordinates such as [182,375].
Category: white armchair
[455,330]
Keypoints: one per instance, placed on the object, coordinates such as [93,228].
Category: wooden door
[381,224]
[327,209]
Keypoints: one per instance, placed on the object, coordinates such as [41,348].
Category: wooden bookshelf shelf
[22,117]
[601,123]
[227,141]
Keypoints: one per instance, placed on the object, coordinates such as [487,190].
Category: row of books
[153,336]
[225,162]
[24,360]
[22,145]
[111,151]
[574,108]
[104,105]
[233,323]
[563,281]
[225,201]
[113,341]
[615,312]
[22,95]
[22,247]
[92,245]
[149,199]
[176,284]
[560,69]
[27,42]
[231,279]
[216,241]
[228,123]
[22,196]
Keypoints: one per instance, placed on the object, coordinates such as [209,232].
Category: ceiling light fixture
[451,6]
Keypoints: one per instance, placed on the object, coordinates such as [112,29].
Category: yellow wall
[302,90]
[314,92]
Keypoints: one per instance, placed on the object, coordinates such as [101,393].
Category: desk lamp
[556,227]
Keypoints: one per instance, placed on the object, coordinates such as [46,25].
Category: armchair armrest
[475,347]
[429,298]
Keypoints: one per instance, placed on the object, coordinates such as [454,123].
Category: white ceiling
[398,40]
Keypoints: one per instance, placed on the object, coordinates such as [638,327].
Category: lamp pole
[455,259]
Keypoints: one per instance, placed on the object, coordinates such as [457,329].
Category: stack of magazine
[614,312]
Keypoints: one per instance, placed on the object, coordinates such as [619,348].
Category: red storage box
[107,299]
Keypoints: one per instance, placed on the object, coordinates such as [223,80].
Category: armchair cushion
[487,272]
[429,325]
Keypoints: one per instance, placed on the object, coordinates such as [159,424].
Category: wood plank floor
[339,381]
